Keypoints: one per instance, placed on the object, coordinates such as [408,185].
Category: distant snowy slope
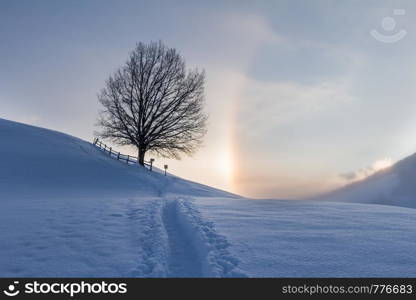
[393,186]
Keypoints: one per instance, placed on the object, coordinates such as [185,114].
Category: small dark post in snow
[166,167]
[118,156]
[110,150]
[151,163]
[128,158]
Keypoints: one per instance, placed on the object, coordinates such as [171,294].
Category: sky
[302,97]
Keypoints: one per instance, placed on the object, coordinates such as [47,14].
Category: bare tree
[154,104]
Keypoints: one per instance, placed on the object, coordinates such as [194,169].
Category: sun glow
[225,166]
[382,164]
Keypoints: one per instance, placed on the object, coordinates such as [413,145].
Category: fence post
[166,167]
[151,163]
[128,158]
[110,150]
[118,156]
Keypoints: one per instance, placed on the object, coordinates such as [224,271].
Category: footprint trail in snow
[183,259]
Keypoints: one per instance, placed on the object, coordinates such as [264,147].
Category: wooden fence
[119,156]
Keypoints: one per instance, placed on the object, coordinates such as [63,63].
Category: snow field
[69,210]
[276,238]
[134,237]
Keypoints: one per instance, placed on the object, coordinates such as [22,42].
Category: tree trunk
[141,154]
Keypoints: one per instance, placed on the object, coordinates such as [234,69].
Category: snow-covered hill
[68,210]
[395,185]
[35,160]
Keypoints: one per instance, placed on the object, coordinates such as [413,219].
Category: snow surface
[69,210]
[273,238]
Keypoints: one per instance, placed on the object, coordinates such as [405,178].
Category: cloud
[363,173]
[348,176]
[251,27]
[264,105]
[282,185]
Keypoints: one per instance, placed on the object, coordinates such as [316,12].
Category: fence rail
[119,156]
